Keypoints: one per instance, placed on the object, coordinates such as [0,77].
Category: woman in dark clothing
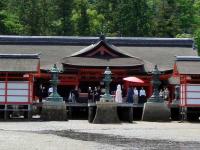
[99,93]
[123,92]
[95,94]
[130,95]
[76,95]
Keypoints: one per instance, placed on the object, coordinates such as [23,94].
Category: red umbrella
[133,79]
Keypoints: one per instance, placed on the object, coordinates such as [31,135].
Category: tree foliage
[197,40]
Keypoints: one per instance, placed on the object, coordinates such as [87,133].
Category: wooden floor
[94,104]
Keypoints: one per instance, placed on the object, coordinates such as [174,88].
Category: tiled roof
[164,56]
[19,63]
[188,67]
[188,64]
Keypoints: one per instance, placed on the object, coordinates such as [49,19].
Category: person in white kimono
[118,94]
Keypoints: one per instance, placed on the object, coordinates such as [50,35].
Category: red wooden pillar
[31,95]
[6,87]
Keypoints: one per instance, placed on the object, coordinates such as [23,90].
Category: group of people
[94,94]
[164,93]
[135,95]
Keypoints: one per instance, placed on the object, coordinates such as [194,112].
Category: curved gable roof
[102,54]
[97,47]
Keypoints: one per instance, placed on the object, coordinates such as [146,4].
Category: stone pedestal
[91,113]
[106,112]
[156,111]
[125,112]
[54,111]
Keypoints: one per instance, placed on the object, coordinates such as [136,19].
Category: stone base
[125,114]
[54,111]
[155,111]
[106,112]
[91,113]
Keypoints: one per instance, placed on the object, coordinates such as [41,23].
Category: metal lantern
[156,83]
[54,96]
[107,80]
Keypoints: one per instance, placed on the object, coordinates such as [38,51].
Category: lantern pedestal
[106,112]
[54,111]
[156,111]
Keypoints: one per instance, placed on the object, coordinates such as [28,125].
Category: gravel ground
[79,134]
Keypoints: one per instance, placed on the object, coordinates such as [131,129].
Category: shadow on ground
[125,143]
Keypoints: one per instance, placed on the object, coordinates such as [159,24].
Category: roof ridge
[7,55]
[80,40]
[187,58]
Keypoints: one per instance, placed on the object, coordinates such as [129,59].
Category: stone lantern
[156,109]
[107,80]
[106,111]
[54,96]
[54,109]
[156,83]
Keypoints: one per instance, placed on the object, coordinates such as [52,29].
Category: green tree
[47,11]
[3,29]
[95,22]
[132,18]
[29,16]
[2,18]
[9,22]
[196,7]
[108,9]
[165,22]
[63,12]
[185,13]
[197,40]
[80,18]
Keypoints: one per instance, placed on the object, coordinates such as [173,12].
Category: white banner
[2,85]
[191,94]
[2,98]
[17,92]
[17,98]
[18,85]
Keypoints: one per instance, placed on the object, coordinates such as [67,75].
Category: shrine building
[82,61]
